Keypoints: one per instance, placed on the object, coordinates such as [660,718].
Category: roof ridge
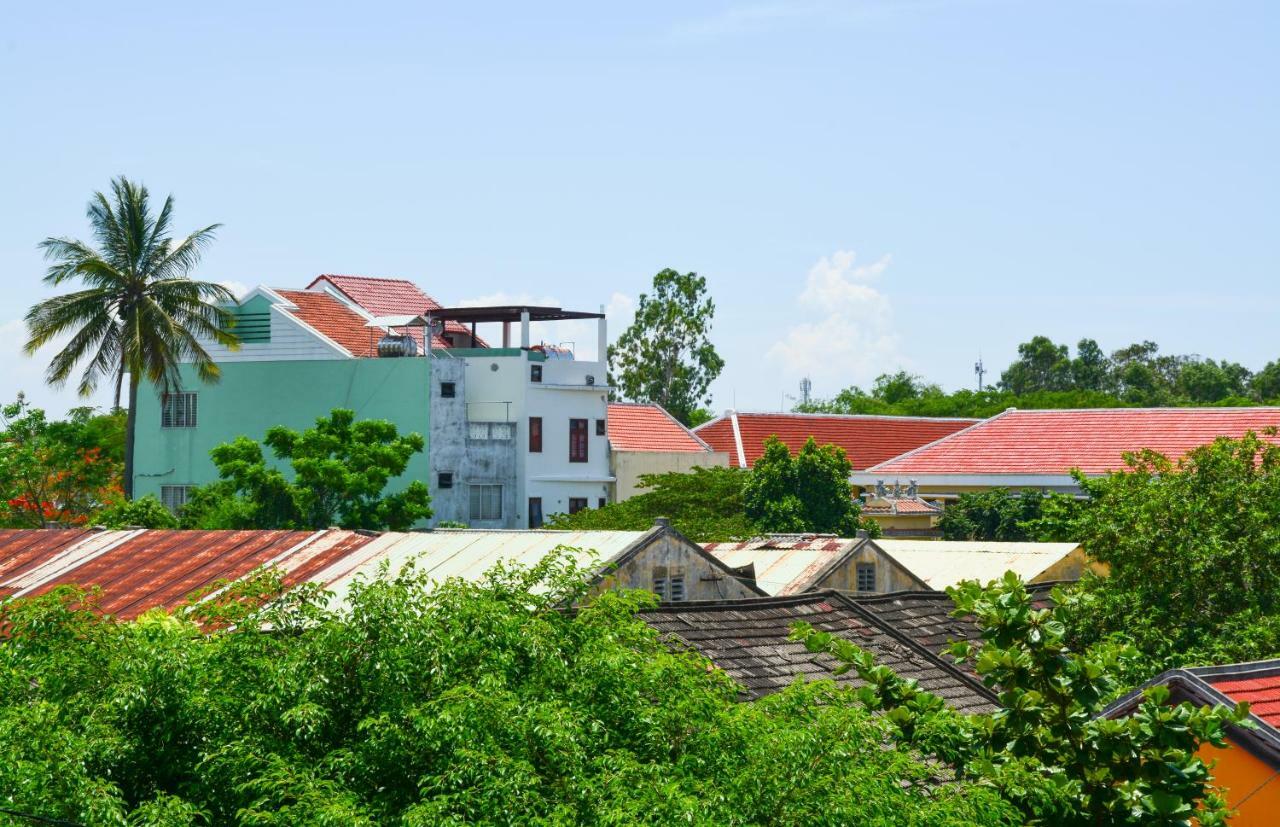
[808,415]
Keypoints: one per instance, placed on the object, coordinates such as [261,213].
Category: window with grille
[174,497]
[577,440]
[866,577]
[676,585]
[486,502]
[178,410]
[535,435]
[668,583]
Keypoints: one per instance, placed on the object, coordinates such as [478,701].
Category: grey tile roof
[748,640]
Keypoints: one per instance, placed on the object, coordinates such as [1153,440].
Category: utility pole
[980,370]
[806,390]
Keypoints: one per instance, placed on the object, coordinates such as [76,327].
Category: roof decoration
[866,440]
[648,427]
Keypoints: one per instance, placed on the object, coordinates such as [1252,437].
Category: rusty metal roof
[942,563]
[785,563]
[142,569]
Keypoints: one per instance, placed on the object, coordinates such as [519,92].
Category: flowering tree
[56,473]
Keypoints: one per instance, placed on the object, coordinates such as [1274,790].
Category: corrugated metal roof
[143,569]
[21,549]
[468,554]
[784,564]
[943,563]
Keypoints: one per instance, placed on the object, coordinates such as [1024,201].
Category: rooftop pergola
[509,313]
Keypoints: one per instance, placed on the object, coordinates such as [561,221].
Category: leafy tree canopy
[1047,750]
[340,470]
[666,355]
[781,494]
[996,514]
[1045,375]
[465,704]
[57,472]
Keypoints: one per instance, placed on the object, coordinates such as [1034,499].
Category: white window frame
[174,497]
[489,502]
[179,410]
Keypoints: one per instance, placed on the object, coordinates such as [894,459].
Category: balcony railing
[503,431]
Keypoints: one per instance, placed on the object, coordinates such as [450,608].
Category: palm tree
[141,315]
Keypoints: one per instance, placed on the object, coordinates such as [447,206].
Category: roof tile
[646,427]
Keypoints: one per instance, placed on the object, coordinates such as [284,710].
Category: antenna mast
[980,371]
[806,390]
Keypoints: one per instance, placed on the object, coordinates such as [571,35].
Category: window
[866,577]
[444,479]
[599,427]
[535,373]
[535,512]
[600,503]
[448,390]
[668,583]
[577,440]
[535,435]
[486,502]
[178,410]
[175,497]
[577,504]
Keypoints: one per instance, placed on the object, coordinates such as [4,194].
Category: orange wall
[1240,773]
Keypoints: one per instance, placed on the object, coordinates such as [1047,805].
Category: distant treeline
[1045,375]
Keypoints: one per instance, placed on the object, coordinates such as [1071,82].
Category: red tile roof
[1055,441]
[903,506]
[145,569]
[335,320]
[389,297]
[642,427]
[1262,694]
[867,440]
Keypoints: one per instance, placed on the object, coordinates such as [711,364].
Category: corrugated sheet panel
[468,554]
[943,563]
[783,565]
[23,549]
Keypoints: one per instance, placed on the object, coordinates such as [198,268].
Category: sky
[866,186]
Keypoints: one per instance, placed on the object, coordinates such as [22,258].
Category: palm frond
[183,257]
[53,317]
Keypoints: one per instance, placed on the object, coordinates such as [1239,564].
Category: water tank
[393,344]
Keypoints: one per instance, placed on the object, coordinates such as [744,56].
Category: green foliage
[467,704]
[996,514]
[144,512]
[340,467]
[781,494]
[1191,546]
[1046,376]
[666,355]
[56,472]
[705,505]
[140,314]
[1046,749]
[809,492]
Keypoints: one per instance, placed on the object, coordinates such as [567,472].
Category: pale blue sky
[1000,169]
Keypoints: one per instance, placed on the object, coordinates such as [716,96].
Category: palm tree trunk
[119,382]
[130,437]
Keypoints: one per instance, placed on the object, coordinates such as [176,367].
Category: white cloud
[25,374]
[581,334]
[848,336]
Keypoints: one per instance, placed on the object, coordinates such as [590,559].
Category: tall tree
[807,492]
[140,314]
[1041,366]
[666,356]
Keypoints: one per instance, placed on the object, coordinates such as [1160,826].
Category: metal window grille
[174,497]
[486,502]
[866,577]
[178,410]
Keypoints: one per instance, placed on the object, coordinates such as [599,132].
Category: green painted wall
[254,396]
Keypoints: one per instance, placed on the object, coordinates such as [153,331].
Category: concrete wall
[628,466]
[890,577]
[667,553]
[254,396]
[472,461]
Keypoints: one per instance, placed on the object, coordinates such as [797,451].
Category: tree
[1209,518]
[704,505]
[893,388]
[1041,366]
[56,473]
[995,514]
[1048,750]
[1204,380]
[666,356]
[809,492]
[341,468]
[143,512]
[1091,369]
[140,314]
[1265,384]
[429,704]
